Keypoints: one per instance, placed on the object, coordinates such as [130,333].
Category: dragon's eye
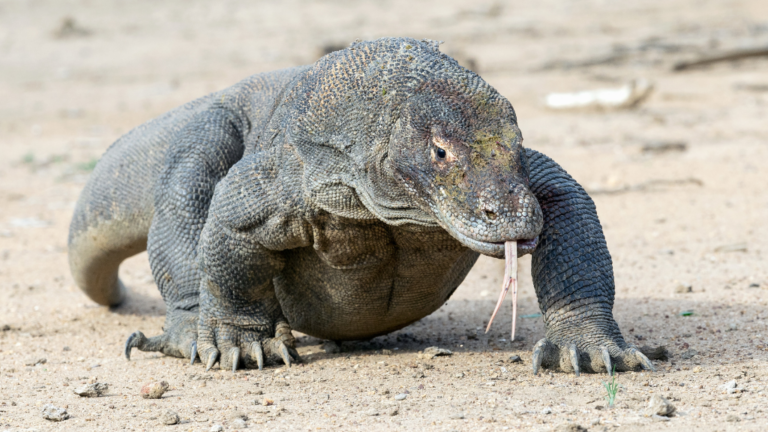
[441,153]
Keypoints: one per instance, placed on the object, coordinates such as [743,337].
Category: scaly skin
[345,199]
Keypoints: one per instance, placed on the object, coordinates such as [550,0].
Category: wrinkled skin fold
[344,199]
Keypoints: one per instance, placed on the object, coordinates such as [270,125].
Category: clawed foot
[178,339]
[235,347]
[608,357]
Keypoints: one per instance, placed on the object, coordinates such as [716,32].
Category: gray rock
[92,390]
[393,411]
[54,413]
[434,351]
[515,359]
[729,385]
[401,396]
[546,410]
[689,354]
[169,417]
[217,428]
[239,423]
[660,406]
[733,418]
[456,416]
[154,390]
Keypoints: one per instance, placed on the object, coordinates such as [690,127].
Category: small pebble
[92,390]
[456,416]
[372,413]
[169,417]
[54,413]
[267,402]
[35,361]
[515,359]
[393,411]
[689,354]
[434,351]
[733,418]
[401,396]
[570,427]
[66,348]
[546,410]
[658,405]
[239,423]
[154,390]
[217,428]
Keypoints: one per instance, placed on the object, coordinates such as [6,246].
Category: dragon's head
[460,155]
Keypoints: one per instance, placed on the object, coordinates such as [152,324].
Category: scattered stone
[331,347]
[660,147]
[570,427]
[754,285]
[732,327]
[689,354]
[393,411]
[238,415]
[401,396]
[169,417]
[154,390]
[729,387]
[35,361]
[372,413]
[660,406]
[683,288]
[456,416]
[546,410]
[267,402]
[239,423]
[92,390]
[434,351]
[697,369]
[217,428]
[54,413]
[515,359]
[460,375]
[733,418]
[66,348]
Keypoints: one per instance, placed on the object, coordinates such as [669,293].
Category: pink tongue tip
[510,280]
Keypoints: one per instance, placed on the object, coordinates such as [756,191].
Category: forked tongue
[510,280]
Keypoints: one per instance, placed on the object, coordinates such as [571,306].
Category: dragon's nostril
[489,214]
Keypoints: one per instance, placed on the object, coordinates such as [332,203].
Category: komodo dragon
[345,199]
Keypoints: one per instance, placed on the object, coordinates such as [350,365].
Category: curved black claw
[644,361]
[285,355]
[135,340]
[573,353]
[258,354]
[212,357]
[606,360]
[193,354]
[538,354]
[235,359]
[610,357]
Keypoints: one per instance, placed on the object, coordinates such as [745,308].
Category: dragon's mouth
[496,249]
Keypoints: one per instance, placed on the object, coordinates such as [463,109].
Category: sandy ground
[673,219]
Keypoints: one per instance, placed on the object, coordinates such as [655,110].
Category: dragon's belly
[359,281]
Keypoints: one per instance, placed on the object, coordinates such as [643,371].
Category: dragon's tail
[113,216]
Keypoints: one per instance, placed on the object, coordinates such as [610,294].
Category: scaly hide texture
[344,199]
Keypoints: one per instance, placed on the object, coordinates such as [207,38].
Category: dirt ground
[686,225]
